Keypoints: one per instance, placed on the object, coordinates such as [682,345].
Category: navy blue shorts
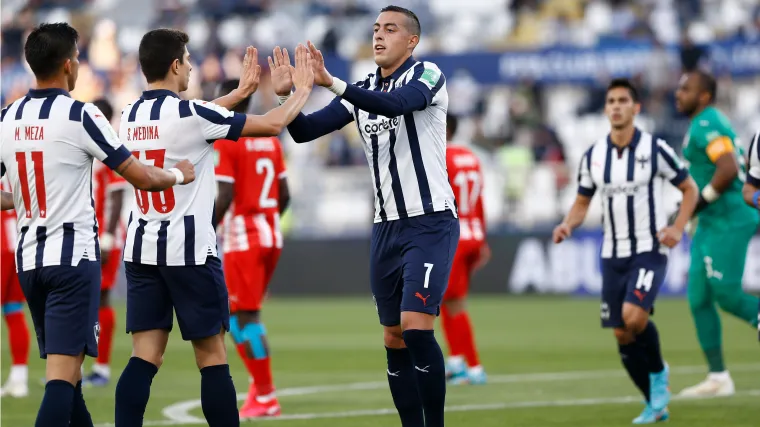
[196,292]
[636,280]
[410,262]
[64,303]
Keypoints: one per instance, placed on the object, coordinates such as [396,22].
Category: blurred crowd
[529,133]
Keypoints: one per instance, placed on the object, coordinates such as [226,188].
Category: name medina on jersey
[381,125]
[628,189]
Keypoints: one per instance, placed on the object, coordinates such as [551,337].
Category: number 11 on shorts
[428,269]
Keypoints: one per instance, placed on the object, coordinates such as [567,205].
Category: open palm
[321,76]
[279,65]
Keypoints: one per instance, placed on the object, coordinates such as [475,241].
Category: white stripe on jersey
[753,161]
[407,154]
[174,227]
[48,144]
[631,182]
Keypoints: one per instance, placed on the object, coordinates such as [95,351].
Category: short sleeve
[224,160]
[101,140]
[586,185]
[218,122]
[753,161]
[280,168]
[428,79]
[669,166]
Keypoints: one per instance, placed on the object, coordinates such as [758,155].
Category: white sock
[103,370]
[456,361]
[475,370]
[19,373]
[720,376]
[267,398]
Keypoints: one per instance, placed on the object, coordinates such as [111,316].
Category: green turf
[337,342]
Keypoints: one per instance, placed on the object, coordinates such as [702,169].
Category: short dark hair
[452,123]
[105,107]
[624,83]
[228,86]
[707,83]
[158,50]
[414,22]
[48,47]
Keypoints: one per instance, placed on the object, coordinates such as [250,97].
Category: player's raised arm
[103,143]
[414,96]
[248,82]
[577,213]
[751,188]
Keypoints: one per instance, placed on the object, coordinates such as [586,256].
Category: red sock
[260,370]
[465,338]
[107,319]
[449,331]
[18,335]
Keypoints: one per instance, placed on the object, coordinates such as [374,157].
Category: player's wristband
[179,175]
[756,198]
[106,242]
[338,87]
[282,98]
[706,196]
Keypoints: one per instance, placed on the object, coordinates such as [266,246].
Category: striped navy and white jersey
[49,141]
[753,161]
[630,182]
[174,227]
[407,154]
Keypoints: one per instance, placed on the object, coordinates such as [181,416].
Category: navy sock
[133,392]
[649,339]
[218,397]
[80,416]
[55,410]
[635,362]
[403,383]
[427,358]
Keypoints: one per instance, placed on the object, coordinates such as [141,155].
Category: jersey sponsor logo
[628,189]
[381,125]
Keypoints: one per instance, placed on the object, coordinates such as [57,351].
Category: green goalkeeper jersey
[710,136]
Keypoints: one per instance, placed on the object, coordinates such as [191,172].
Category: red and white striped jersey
[104,182]
[466,180]
[174,227]
[255,166]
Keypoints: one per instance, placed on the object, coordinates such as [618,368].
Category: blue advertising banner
[585,65]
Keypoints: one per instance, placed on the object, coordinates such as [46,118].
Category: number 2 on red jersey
[265,165]
[163,202]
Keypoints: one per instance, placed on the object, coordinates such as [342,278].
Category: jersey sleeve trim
[235,122]
[586,185]
[282,175]
[116,186]
[680,177]
[225,178]
[114,156]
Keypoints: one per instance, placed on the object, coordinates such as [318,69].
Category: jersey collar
[634,141]
[47,93]
[396,74]
[157,93]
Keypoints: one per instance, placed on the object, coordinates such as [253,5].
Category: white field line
[178,414]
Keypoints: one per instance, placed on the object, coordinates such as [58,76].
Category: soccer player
[108,192]
[400,113]
[49,142]
[725,226]
[629,168]
[12,300]
[170,255]
[751,190]
[472,252]
[251,177]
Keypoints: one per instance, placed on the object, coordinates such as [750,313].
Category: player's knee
[623,336]
[150,345]
[64,367]
[393,337]
[635,318]
[210,351]
[455,306]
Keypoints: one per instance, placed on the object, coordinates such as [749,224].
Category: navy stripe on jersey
[184,109]
[114,157]
[20,110]
[133,111]
[129,222]
[95,220]
[419,166]
[161,243]
[67,248]
[755,182]
[155,109]
[588,192]
[376,170]
[20,248]
[47,104]
[189,240]
[2,169]
[75,114]
[137,248]
[682,174]
[398,192]
[2,114]
[650,189]
[236,121]
[39,258]
[629,201]
[607,179]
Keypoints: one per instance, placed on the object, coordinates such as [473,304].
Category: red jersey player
[108,191]
[472,253]
[13,306]
[251,181]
